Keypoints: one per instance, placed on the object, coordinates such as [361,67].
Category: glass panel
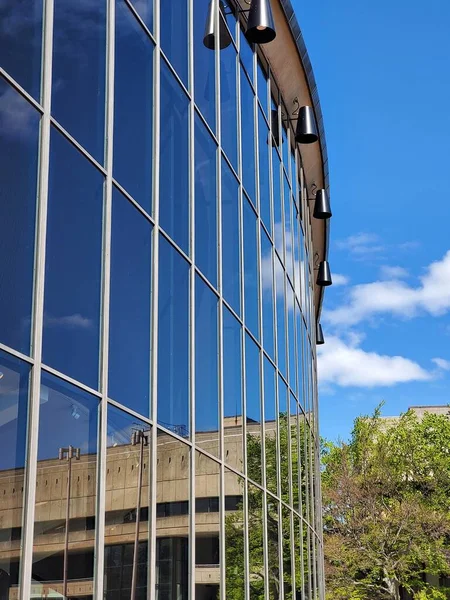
[173,340]
[278,223]
[287,553]
[270,422]
[255,543]
[65,490]
[284,141]
[291,335]
[79,60]
[246,54]
[294,453]
[133,107]
[174,159]
[228,103]
[207,528]
[248,137]
[14,377]
[145,10]
[253,409]
[281,321]
[234,537]
[204,66]
[127,506]
[129,306]
[232,390]
[264,174]
[19,124]
[20,42]
[273,546]
[251,270]
[267,293]
[288,228]
[174,36]
[231,266]
[283,416]
[172,518]
[298,556]
[206,367]
[205,202]
[73,263]
[262,88]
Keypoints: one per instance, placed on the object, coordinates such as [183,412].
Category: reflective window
[246,54]
[273,547]
[18,172]
[228,104]
[253,409]
[284,143]
[174,160]
[283,418]
[73,263]
[173,340]
[174,34]
[263,94]
[207,529]
[13,425]
[256,543]
[128,499]
[270,422]
[205,202]
[65,488]
[79,60]
[145,10]
[291,338]
[288,229]
[204,66]
[172,525]
[234,537]
[232,389]
[278,222]
[129,312]
[231,267]
[267,294]
[251,270]
[298,557]
[206,365]
[133,107]
[20,42]
[264,173]
[287,552]
[281,320]
[293,423]
[248,137]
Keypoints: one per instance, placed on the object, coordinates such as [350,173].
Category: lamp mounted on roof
[324,274]
[306,129]
[260,24]
[322,208]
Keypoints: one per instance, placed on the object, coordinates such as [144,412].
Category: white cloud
[442,363]
[388,272]
[361,244]
[345,364]
[340,279]
[75,321]
[397,297]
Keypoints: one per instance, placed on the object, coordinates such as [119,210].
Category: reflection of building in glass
[158,306]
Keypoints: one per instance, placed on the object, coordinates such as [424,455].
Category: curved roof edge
[301,46]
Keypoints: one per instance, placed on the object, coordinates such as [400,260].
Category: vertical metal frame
[29,497]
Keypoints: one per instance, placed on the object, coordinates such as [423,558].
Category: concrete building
[164,225]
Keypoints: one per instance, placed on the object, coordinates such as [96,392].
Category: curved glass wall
[157,361]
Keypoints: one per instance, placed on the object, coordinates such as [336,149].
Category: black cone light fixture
[306,132]
[322,208]
[319,335]
[210,29]
[260,25]
[324,274]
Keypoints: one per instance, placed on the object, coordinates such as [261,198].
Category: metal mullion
[29,499]
[129,411]
[17,354]
[130,198]
[167,62]
[77,145]
[18,88]
[192,273]
[153,475]
[99,565]
[70,380]
[140,20]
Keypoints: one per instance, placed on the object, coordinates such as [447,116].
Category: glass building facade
[158,397]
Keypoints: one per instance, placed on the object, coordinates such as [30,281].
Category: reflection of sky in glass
[248,137]
[19,126]
[232,371]
[230,239]
[251,270]
[204,67]
[174,34]
[252,378]
[228,97]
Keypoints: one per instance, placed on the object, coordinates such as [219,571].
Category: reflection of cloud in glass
[75,321]
[17,117]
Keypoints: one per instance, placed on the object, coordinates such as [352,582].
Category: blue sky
[383,72]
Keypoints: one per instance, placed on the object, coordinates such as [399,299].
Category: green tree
[386,497]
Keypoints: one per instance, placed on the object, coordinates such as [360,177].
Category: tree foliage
[386,498]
